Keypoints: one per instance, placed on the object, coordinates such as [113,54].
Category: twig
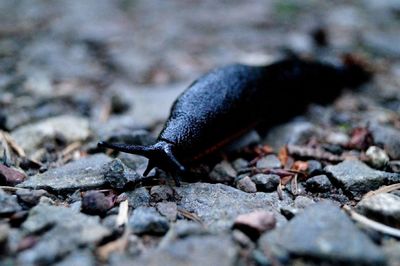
[122,217]
[384,189]
[12,189]
[120,243]
[371,223]
[70,148]
[11,142]
[293,185]
[190,216]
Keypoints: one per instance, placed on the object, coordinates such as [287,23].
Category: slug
[227,102]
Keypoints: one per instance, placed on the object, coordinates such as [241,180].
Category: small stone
[118,175]
[30,197]
[383,207]
[138,197]
[269,161]
[96,203]
[8,204]
[289,212]
[146,220]
[135,162]
[223,172]
[240,164]
[322,233]
[255,223]
[389,138]
[356,177]
[377,156]
[313,167]
[10,176]
[247,185]
[267,183]
[86,173]
[161,193]
[32,136]
[319,183]
[168,210]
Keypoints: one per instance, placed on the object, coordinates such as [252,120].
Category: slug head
[160,155]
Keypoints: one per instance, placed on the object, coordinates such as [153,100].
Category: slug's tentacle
[160,154]
[133,149]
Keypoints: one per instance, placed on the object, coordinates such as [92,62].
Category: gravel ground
[76,72]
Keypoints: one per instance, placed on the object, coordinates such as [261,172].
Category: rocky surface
[87,173]
[196,250]
[76,72]
[322,233]
[61,231]
[218,205]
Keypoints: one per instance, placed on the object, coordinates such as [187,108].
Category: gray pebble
[138,197]
[319,183]
[239,164]
[118,175]
[247,185]
[161,193]
[223,172]
[146,220]
[266,182]
[357,178]
[269,161]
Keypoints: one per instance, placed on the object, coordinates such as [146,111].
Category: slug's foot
[160,155]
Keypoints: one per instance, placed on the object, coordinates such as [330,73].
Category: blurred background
[118,65]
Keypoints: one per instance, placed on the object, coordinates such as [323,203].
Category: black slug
[225,103]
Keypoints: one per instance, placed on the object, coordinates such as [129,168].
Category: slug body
[227,102]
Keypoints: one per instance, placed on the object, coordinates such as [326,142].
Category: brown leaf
[300,166]
[361,139]
[283,155]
